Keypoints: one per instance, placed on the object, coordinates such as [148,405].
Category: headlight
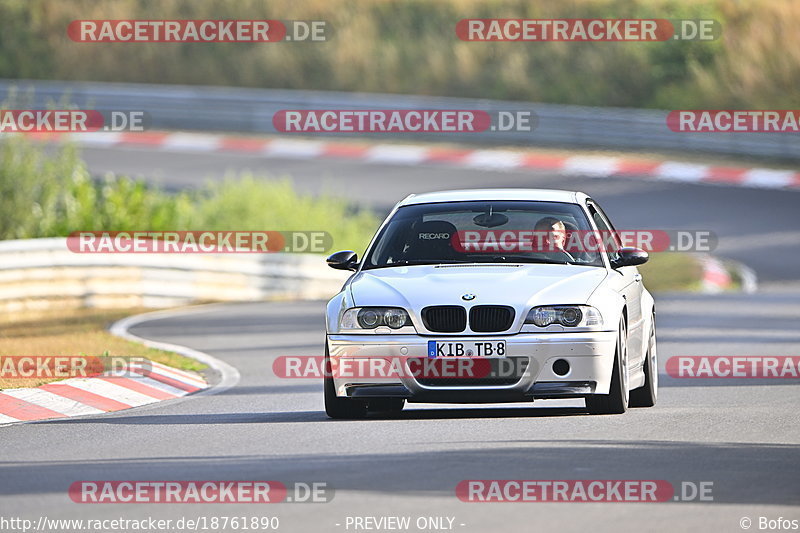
[570,316]
[373,317]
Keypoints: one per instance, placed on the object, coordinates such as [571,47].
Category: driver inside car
[553,237]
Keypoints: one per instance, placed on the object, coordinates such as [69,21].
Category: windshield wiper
[431,261]
[519,259]
[407,262]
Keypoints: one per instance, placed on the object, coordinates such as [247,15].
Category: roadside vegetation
[410,47]
[672,272]
[48,192]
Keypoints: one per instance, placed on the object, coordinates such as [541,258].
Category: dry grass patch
[74,332]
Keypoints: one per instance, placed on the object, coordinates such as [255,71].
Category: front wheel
[336,406]
[616,401]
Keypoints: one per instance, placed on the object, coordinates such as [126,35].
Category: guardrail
[250,111]
[43,273]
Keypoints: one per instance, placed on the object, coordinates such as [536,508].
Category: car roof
[467,195]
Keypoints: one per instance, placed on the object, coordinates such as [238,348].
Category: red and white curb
[95,395]
[717,277]
[103,394]
[401,154]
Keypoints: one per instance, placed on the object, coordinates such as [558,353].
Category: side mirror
[629,256]
[344,260]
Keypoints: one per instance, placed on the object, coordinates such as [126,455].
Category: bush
[48,192]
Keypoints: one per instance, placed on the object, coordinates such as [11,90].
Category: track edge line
[230,376]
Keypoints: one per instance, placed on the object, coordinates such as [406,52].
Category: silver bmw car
[480,296]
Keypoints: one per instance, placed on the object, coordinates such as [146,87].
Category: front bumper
[590,356]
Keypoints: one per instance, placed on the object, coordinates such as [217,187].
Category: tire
[646,395]
[336,406]
[616,401]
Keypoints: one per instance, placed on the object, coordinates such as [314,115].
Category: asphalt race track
[741,434]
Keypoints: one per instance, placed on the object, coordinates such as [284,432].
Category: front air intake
[491,318]
[445,318]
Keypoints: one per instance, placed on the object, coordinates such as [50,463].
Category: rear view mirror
[344,260]
[490,220]
[629,256]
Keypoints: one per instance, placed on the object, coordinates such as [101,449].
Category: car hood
[520,286]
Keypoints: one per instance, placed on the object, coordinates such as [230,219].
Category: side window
[605,228]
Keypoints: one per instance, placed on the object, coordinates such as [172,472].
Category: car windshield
[483,232]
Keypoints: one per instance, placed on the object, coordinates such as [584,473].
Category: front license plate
[466,349]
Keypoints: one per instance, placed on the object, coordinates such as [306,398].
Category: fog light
[561,367]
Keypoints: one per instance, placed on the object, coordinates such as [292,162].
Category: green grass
[672,271]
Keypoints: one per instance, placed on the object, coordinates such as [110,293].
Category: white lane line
[229,374]
[112,391]
[51,401]
[591,166]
